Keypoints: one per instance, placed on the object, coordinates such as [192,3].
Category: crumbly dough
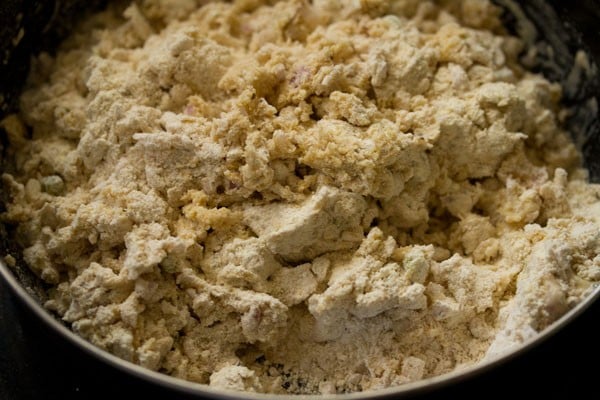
[300,196]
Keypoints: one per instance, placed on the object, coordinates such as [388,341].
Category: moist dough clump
[300,197]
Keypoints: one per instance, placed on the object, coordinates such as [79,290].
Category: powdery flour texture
[300,196]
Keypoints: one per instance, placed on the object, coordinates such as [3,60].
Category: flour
[300,197]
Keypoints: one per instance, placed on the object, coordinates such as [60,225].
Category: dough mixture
[300,196]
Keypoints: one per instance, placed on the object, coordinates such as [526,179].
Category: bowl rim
[202,390]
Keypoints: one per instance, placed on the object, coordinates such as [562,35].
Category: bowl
[556,30]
